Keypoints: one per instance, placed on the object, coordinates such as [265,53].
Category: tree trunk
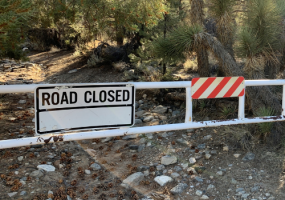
[271,70]
[119,39]
[203,62]
[260,96]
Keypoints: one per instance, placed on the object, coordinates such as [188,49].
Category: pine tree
[15,15]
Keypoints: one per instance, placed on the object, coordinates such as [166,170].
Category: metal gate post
[241,101]
[283,101]
[188,113]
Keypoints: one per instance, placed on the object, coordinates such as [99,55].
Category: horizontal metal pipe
[138,130]
[264,82]
[138,85]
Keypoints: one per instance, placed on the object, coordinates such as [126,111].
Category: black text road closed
[75,107]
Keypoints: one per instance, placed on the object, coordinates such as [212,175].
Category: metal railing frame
[189,124]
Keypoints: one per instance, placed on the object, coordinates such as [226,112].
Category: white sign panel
[75,107]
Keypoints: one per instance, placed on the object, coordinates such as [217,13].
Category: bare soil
[117,160]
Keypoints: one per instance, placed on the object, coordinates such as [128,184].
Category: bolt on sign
[217,87]
[71,107]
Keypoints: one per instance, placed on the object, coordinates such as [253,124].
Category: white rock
[199,193]
[168,160]
[160,109]
[204,197]
[163,180]
[191,169]
[72,71]
[148,118]
[221,173]
[22,101]
[207,156]
[236,155]
[20,158]
[184,165]
[210,187]
[12,194]
[48,168]
[225,148]
[192,160]
[87,171]
[133,180]
[207,137]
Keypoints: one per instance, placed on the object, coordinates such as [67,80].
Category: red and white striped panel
[217,87]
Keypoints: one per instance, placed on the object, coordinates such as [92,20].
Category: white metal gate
[188,124]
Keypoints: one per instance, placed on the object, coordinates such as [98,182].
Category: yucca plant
[259,39]
[265,128]
[222,12]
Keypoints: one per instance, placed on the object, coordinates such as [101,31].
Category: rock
[142,141]
[182,141]
[149,136]
[138,121]
[225,148]
[177,168]
[133,147]
[207,137]
[146,173]
[254,189]
[233,181]
[23,193]
[133,180]
[163,180]
[68,197]
[107,139]
[220,173]
[91,152]
[179,188]
[198,179]
[160,109]
[271,198]
[184,165]
[210,187]
[48,168]
[141,147]
[72,71]
[56,163]
[214,152]
[244,196]
[174,175]
[12,118]
[191,169]
[130,137]
[168,160]
[236,155]
[192,160]
[95,166]
[87,171]
[143,168]
[139,114]
[201,146]
[148,118]
[160,167]
[164,135]
[248,157]
[199,193]
[37,174]
[12,194]
[22,101]
[20,158]
[204,197]
[176,112]
[207,156]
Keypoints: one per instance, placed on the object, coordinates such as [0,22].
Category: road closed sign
[76,107]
